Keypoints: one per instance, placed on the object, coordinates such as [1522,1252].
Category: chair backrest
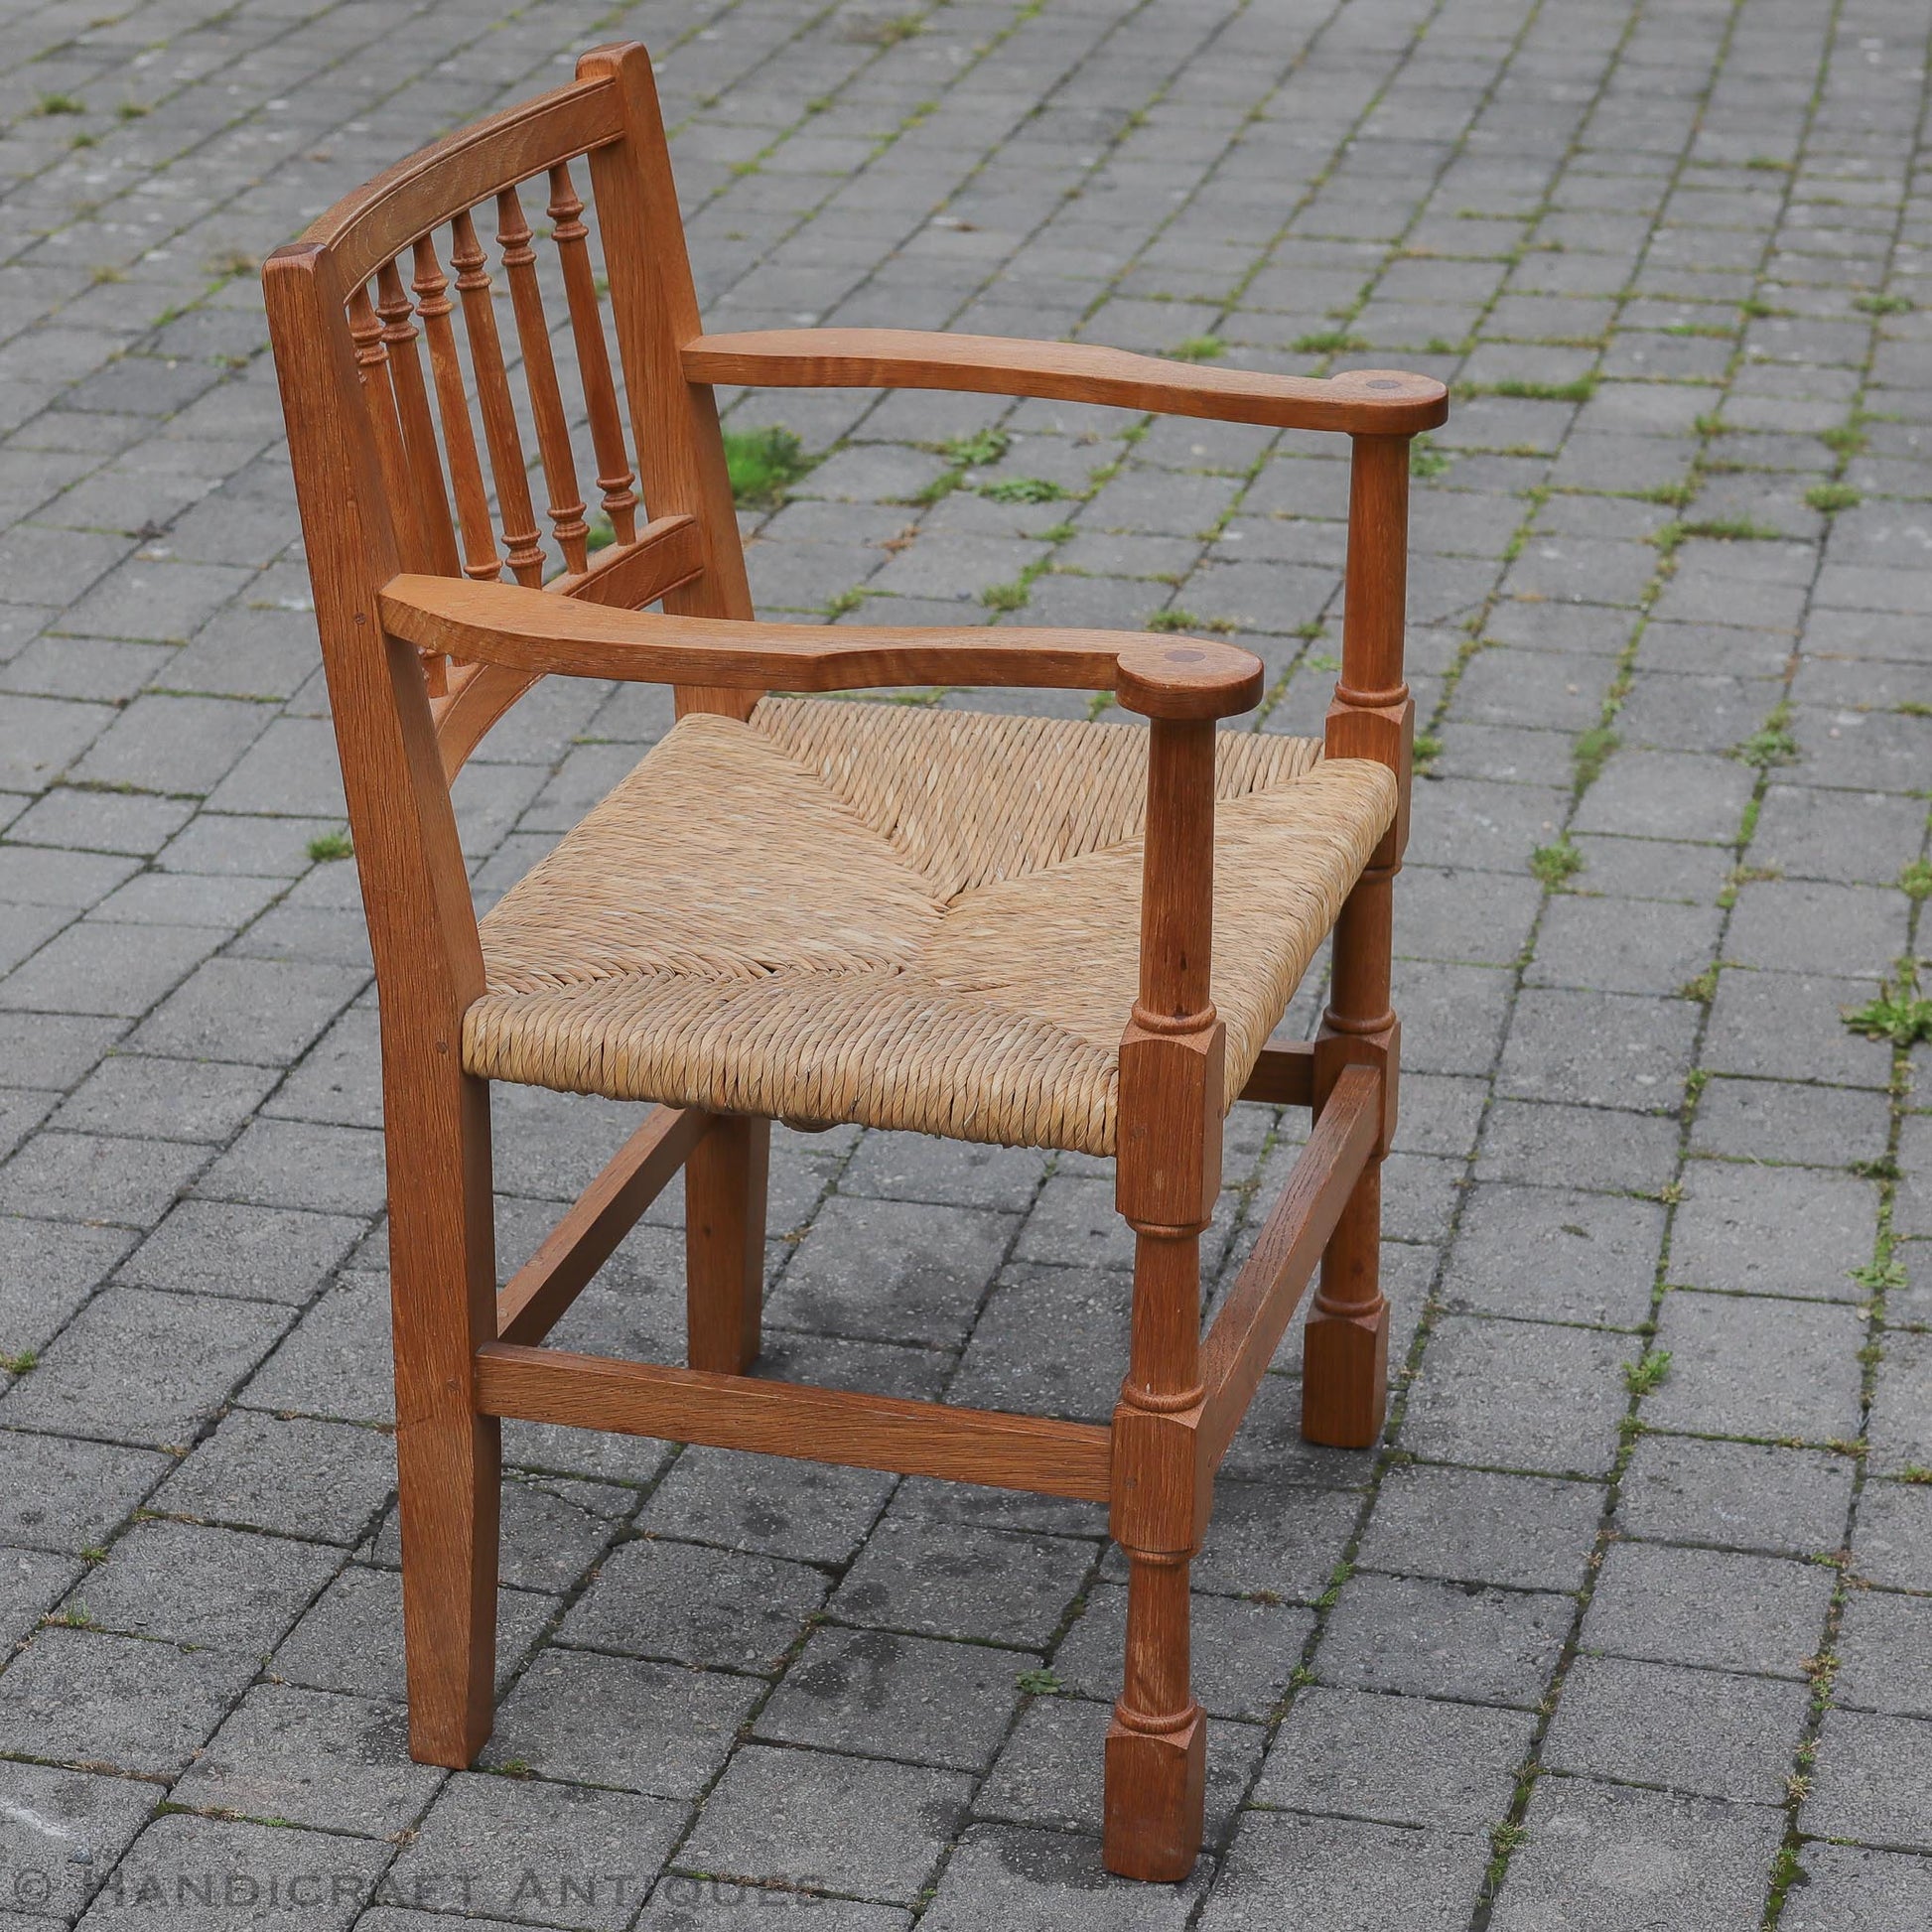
[402,468]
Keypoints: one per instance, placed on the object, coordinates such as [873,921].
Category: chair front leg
[1157,1744]
[1345,1352]
[443,1298]
[1345,1347]
[725,1179]
[1172,1060]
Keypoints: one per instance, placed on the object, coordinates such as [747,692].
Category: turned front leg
[1346,1348]
[1170,1149]
[1345,1353]
[1157,1744]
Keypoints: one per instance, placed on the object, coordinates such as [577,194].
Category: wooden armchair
[993,927]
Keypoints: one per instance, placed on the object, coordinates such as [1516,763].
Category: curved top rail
[377,220]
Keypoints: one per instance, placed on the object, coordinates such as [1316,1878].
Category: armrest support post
[1177,876]
[1372,717]
[1344,1379]
[1378,573]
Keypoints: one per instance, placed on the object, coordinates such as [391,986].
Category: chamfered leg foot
[1345,1377]
[1156,1785]
[450,1474]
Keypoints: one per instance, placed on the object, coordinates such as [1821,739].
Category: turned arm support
[529,631]
[1361,401]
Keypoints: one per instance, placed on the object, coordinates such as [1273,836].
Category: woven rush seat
[900,917]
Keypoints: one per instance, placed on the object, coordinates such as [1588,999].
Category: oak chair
[993,927]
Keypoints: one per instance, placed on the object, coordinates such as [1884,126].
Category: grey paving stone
[1710,1733]
[336,1360]
[883,1694]
[1273,1536]
[1783,1026]
[1794,927]
[225,1248]
[692,1604]
[48,1269]
[1245,1651]
[916,1166]
[1896,1423]
[1598,1050]
[170,1099]
[1647,1597]
[577,1717]
[1868,1781]
[213,1588]
[957,1583]
[1074,1223]
[580,1857]
[1846,1884]
[351,1638]
[99,1177]
[1578,1146]
[892,1271]
[553,1529]
[683,1902]
[238,1867]
[1776,1121]
[288,1474]
[1049,1341]
[1476,1525]
[67,1830]
[144,1366]
[1538,1251]
[807,1511]
[1770,1231]
[1457,1013]
[266,1010]
[1617,866]
[1752,1365]
[88,1698]
[1890,1543]
[1397,1760]
[1883,1644]
[392,1918]
[1622,945]
[862,1826]
[1519,1395]
[1050,1772]
[173,744]
[1336,1875]
[1000,1875]
[292,1163]
[1667,795]
[1853,837]
[1604,1858]
[1741,1495]
[1438,1639]
[339,1764]
[1269,1447]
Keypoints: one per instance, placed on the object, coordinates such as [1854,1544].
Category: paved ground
[1576,1648]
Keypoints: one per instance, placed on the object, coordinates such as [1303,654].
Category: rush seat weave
[900,917]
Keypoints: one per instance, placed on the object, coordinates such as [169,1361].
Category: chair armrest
[1169,677]
[1362,402]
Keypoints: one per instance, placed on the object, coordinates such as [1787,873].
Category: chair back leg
[442,1292]
[724,1243]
